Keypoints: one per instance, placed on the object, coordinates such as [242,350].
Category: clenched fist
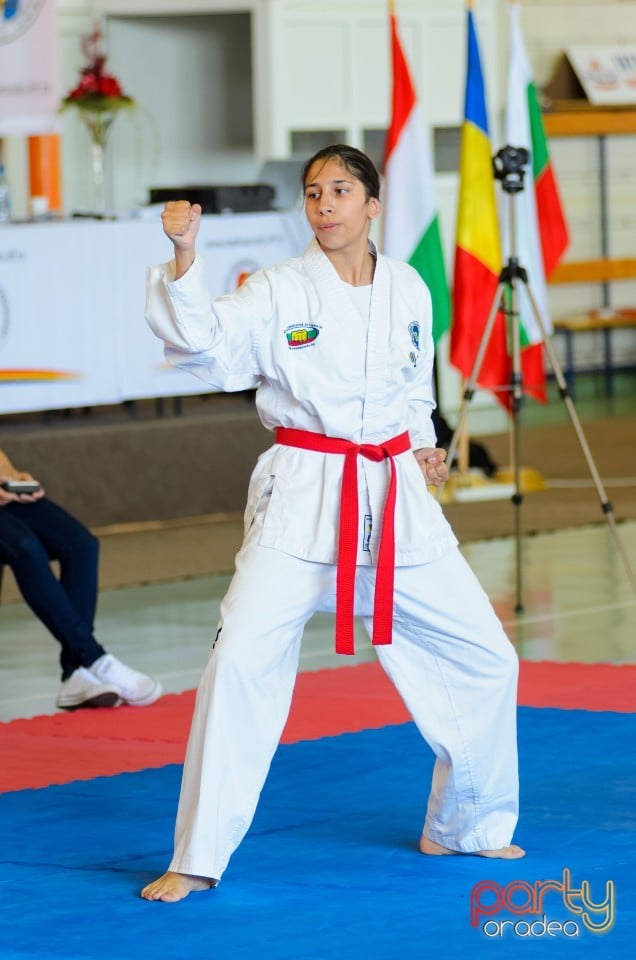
[431,461]
[181,221]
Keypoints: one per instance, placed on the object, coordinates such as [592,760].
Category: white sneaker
[83,689]
[134,688]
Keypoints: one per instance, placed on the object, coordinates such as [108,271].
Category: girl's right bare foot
[172,887]
[512,852]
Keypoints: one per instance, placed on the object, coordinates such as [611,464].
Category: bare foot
[435,849]
[175,886]
[513,852]
[503,853]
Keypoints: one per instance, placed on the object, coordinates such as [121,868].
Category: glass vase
[98,123]
[97,169]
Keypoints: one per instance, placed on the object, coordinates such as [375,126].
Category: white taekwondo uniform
[292,332]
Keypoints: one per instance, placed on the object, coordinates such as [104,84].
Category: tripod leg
[516,384]
[565,395]
[516,387]
[469,389]
[517,395]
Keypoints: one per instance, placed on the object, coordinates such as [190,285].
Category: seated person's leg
[90,676]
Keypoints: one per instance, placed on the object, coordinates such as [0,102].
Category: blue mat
[330,868]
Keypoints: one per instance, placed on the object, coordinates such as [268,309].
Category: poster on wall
[29,93]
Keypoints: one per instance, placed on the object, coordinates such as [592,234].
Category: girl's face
[337,207]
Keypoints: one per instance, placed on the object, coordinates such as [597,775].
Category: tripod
[508,167]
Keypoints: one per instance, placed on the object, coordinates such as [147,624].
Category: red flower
[94,82]
[109,86]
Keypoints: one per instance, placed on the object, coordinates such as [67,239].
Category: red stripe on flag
[403,96]
[475,287]
[533,369]
[553,229]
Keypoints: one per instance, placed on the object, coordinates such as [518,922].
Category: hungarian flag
[411,222]
[478,248]
[541,235]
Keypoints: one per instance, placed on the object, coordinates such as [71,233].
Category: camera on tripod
[508,166]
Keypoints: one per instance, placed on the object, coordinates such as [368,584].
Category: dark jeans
[32,534]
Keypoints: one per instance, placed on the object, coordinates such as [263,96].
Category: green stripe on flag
[525,340]
[539,145]
[428,260]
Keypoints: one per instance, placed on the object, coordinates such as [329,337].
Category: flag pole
[463,449]
[463,453]
[476,270]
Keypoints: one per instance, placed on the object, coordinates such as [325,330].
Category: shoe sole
[154,694]
[101,700]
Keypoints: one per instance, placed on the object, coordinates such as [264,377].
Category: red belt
[348,530]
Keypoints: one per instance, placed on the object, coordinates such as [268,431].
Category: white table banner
[72,296]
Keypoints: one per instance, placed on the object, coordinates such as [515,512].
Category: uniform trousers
[450,660]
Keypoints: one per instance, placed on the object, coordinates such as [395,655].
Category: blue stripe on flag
[475,106]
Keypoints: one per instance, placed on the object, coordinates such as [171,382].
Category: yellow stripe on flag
[478,227]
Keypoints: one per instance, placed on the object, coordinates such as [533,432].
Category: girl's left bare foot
[431,848]
[171,887]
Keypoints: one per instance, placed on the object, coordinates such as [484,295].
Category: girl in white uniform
[338,345]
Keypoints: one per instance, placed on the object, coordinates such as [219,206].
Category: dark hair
[354,161]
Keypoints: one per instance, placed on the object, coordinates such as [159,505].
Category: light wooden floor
[578,603]
[578,606]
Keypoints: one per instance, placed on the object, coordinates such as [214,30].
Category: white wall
[194,125]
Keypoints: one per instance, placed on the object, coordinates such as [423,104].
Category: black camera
[508,166]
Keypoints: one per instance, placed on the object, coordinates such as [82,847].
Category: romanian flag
[478,250]
[411,221]
[541,231]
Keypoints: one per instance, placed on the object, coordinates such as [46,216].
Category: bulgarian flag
[478,249]
[411,221]
[541,231]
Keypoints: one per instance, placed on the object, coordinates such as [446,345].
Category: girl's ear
[374,207]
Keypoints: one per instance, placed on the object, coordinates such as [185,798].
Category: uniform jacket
[292,332]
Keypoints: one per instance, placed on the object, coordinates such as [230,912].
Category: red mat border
[56,749]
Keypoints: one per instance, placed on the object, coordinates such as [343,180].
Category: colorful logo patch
[414,330]
[301,336]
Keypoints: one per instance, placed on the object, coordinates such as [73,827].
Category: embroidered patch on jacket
[414,330]
[413,358]
[299,336]
[368,526]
